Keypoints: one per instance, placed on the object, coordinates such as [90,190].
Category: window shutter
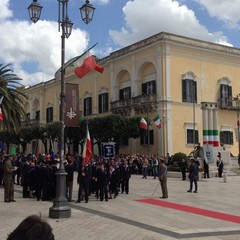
[229,95]
[222,142]
[231,138]
[84,107]
[154,87]
[184,91]
[121,94]
[100,103]
[195,91]
[144,88]
[151,137]
[90,104]
[196,137]
[129,93]
[106,102]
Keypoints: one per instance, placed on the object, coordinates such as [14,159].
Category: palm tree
[13,98]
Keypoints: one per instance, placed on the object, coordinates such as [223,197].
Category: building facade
[191,84]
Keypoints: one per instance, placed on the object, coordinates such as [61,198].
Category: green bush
[179,156]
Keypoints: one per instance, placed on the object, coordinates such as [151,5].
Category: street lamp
[60,208]
[237,101]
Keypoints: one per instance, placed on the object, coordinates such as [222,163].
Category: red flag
[143,124]
[1,114]
[85,64]
[87,149]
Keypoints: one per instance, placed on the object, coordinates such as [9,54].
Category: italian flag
[85,64]
[143,124]
[87,149]
[157,121]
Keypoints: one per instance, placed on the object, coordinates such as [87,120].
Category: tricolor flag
[1,113]
[85,64]
[157,121]
[143,124]
[87,149]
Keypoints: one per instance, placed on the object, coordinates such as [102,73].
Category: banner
[72,105]
[208,153]
[108,150]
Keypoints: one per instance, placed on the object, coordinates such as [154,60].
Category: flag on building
[85,64]
[143,124]
[87,149]
[1,113]
[157,121]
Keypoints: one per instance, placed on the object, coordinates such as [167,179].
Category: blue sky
[34,49]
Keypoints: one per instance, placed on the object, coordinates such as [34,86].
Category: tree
[112,128]
[13,97]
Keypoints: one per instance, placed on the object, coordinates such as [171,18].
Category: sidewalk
[131,217]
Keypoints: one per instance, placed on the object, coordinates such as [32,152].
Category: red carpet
[194,210]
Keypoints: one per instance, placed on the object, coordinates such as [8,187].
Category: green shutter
[184,85]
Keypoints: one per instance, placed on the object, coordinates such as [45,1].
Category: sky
[34,50]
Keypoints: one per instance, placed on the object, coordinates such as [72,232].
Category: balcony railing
[229,104]
[140,104]
[30,122]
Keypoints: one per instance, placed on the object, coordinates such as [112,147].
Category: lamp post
[237,101]
[194,116]
[60,208]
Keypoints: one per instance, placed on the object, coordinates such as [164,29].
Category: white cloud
[5,12]
[40,44]
[100,1]
[143,20]
[224,10]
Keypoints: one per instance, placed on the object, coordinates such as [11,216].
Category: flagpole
[148,135]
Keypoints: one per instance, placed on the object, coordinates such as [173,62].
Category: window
[103,103]
[144,138]
[191,137]
[149,87]
[226,137]
[125,93]
[225,95]
[189,90]
[87,106]
[37,116]
[49,114]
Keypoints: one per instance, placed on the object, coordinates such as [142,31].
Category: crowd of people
[101,177]
[104,178]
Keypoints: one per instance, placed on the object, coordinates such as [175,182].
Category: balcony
[30,122]
[229,104]
[139,104]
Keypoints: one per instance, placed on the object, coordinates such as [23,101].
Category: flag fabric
[85,64]
[143,124]
[157,121]
[1,113]
[87,149]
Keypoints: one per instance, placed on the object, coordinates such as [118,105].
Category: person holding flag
[85,173]
[87,149]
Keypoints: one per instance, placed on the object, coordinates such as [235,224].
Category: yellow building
[189,83]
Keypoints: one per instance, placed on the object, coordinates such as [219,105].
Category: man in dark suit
[8,179]
[125,175]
